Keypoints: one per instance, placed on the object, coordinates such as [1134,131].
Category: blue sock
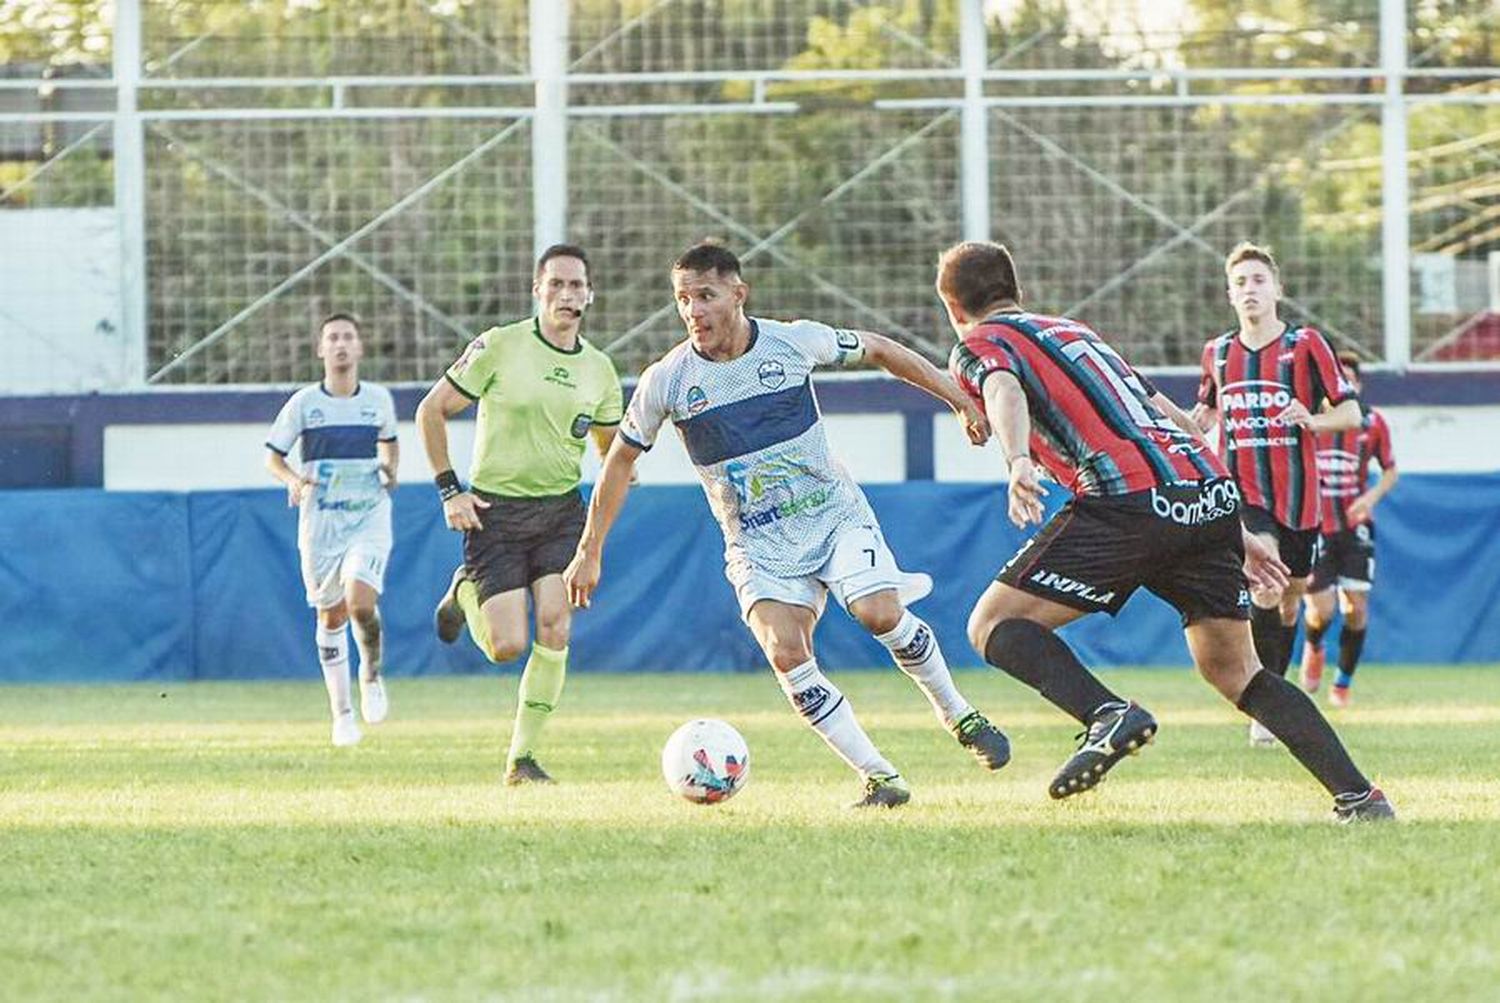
[1344,679]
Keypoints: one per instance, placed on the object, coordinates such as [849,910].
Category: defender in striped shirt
[1151,507]
[1265,385]
[1346,548]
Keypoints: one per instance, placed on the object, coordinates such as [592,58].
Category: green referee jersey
[536,406]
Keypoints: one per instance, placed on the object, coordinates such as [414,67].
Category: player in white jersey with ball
[796,526]
[342,491]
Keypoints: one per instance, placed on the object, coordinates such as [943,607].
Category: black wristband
[447,484]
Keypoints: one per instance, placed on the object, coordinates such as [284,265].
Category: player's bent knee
[785,656]
[879,616]
[505,649]
[981,625]
[333,617]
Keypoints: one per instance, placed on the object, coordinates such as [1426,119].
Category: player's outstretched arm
[582,575]
[443,401]
[1204,417]
[1178,416]
[909,367]
[1005,404]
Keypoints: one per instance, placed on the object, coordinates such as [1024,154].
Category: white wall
[60,312]
[207,457]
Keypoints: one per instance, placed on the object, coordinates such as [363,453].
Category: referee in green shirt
[542,392]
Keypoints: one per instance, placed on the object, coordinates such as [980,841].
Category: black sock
[1288,642]
[1315,633]
[1351,643]
[1265,628]
[1042,660]
[1294,719]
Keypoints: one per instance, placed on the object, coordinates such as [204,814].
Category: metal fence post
[975,156]
[549,126]
[1395,225]
[130,190]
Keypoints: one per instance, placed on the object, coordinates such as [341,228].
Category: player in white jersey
[342,490]
[796,526]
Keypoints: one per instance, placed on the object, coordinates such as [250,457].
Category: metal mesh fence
[259,229]
[851,241]
[1123,216]
[303,156]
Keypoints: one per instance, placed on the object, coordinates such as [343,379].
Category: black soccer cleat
[526,770]
[1370,806]
[1117,730]
[988,743]
[448,618]
[884,792]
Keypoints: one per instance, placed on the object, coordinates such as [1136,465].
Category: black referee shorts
[1181,543]
[522,540]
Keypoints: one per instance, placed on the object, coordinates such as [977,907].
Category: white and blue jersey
[338,450]
[753,430]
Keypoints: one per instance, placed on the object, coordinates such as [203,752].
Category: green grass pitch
[204,842]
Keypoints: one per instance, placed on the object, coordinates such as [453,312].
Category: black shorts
[523,539]
[1345,559]
[1295,545]
[1181,543]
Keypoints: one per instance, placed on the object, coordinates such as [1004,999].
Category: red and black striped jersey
[1093,425]
[1344,466]
[1275,462]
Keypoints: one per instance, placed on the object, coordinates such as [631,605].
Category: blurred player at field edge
[1152,507]
[543,392]
[1345,558]
[342,490]
[796,527]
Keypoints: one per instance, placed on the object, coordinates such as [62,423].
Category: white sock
[823,707]
[914,647]
[333,655]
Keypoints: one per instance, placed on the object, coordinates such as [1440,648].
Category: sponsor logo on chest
[560,376]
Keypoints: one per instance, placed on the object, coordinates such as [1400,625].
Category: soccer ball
[705,761]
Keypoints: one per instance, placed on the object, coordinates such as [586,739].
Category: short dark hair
[978,274]
[341,315]
[708,256]
[1350,361]
[565,251]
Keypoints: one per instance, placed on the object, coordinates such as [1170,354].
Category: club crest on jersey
[581,425]
[697,400]
[772,374]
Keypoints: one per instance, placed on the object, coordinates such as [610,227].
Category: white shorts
[861,565]
[324,575]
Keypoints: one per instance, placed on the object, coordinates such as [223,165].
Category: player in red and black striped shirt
[1346,548]
[1265,385]
[1151,506]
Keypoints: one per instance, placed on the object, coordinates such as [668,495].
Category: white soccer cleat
[1261,736]
[373,705]
[346,730]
